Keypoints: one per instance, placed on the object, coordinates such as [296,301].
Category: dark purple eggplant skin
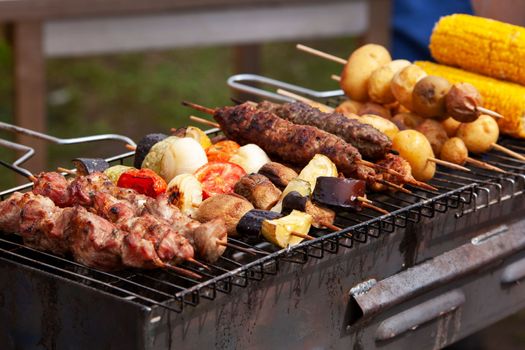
[86,166]
[144,146]
[338,193]
[250,224]
[294,201]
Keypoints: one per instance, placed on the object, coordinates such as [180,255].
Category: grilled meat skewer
[92,240]
[370,142]
[115,204]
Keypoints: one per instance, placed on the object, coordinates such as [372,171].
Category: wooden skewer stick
[335,77]
[197,262]
[508,152]
[182,271]
[393,185]
[405,178]
[448,164]
[364,200]
[321,54]
[307,237]
[67,171]
[330,226]
[373,207]
[204,121]
[489,112]
[197,107]
[131,147]
[306,100]
[237,247]
[484,165]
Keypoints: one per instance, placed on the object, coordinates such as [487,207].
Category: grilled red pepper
[144,181]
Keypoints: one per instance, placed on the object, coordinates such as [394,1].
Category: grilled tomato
[218,178]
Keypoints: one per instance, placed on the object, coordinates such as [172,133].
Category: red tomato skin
[218,178]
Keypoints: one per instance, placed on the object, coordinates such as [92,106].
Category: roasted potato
[230,208]
[410,120]
[435,134]
[480,135]
[414,147]
[280,175]
[451,126]
[379,82]
[376,109]
[428,97]
[454,151]
[258,190]
[349,108]
[384,125]
[403,83]
[361,63]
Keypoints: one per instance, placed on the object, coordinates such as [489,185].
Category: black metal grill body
[298,298]
[303,306]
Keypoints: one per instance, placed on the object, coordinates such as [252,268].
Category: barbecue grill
[442,265]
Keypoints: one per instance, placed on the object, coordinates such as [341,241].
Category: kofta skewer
[288,145]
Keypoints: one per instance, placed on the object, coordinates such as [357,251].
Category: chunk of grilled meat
[10,210]
[53,185]
[96,242]
[393,162]
[202,236]
[45,226]
[296,144]
[370,142]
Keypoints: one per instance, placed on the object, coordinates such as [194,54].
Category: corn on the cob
[480,45]
[506,98]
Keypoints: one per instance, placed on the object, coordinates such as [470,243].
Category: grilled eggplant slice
[280,175]
[320,216]
[339,192]
[230,208]
[86,166]
[251,223]
[144,146]
[259,190]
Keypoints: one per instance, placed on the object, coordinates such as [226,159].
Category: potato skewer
[375,59]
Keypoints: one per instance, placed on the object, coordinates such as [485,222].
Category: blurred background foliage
[137,93]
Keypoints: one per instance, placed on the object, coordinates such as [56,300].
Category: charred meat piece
[296,144]
[10,210]
[258,190]
[53,185]
[96,242]
[393,162]
[83,188]
[370,142]
[206,238]
[45,226]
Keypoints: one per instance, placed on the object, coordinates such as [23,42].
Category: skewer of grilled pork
[91,239]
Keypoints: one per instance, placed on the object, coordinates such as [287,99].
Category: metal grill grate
[458,193]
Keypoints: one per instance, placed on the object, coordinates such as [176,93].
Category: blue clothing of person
[413,21]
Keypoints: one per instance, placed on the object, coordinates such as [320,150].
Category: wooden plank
[380,13]
[234,26]
[29,88]
[246,59]
[12,10]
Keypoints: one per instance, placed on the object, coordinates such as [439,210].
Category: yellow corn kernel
[480,45]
